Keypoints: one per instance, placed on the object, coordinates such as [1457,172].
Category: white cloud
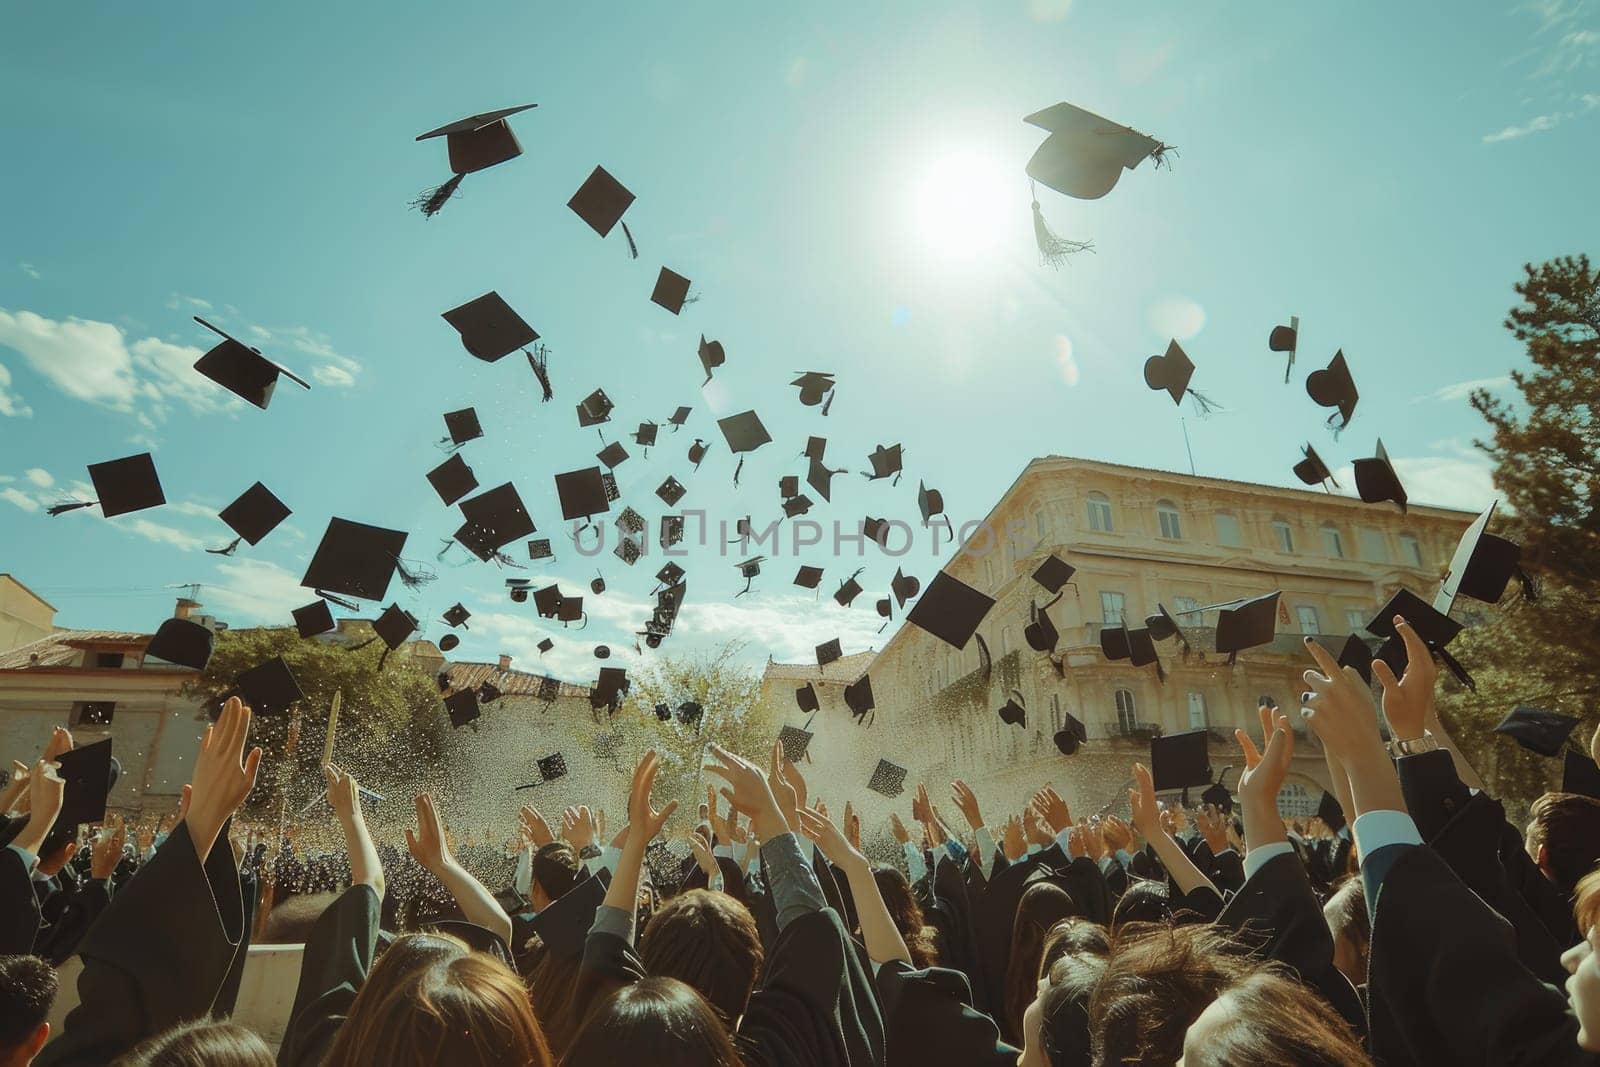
[254,591]
[1537,124]
[30,270]
[1177,317]
[192,507]
[86,360]
[788,626]
[16,496]
[1065,363]
[161,534]
[182,301]
[39,476]
[1049,10]
[1458,391]
[332,376]
[10,403]
[1463,480]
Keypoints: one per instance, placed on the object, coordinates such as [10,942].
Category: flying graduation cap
[1377,481]
[1537,729]
[1434,627]
[806,697]
[1482,566]
[313,619]
[886,463]
[888,779]
[795,741]
[808,577]
[1041,633]
[749,569]
[848,590]
[744,433]
[1014,712]
[601,202]
[254,514]
[243,370]
[1286,339]
[1312,471]
[1054,573]
[355,560]
[494,519]
[858,698]
[1163,626]
[671,291]
[1333,387]
[452,480]
[1071,736]
[1136,646]
[697,452]
[120,486]
[1178,761]
[712,356]
[1243,624]
[462,426]
[950,610]
[181,641]
[490,330]
[1172,371]
[679,417]
[815,387]
[475,143]
[930,502]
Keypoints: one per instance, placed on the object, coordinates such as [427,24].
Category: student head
[1346,914]
[1042,906]
[1268,1017]
[430,999]
[907,915]
[1564,837]
[1144,901]
[658,1021]
[555,870]
[27,989]
[1055,1028]
[1583,965]
[290,922]
[551,978]
[202,1043]
[708,940]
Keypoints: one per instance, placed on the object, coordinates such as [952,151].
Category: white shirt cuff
[723,850]
[1256,858]
[1376,829]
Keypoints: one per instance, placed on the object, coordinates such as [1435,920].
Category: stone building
[24,615]
[1138,538]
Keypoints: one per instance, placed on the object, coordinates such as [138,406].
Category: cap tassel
[541,370]
[233,546]
[633,249]
[1159,156]
[1204,404]
[414,577]
[1337,428]
[737,471]
[505,561]
[828,403]
[385,657]
[74,505]
[1530,588]
[984,658]
[449,446]
[1457,669]
[363,644]
[433,199]
[1054,250]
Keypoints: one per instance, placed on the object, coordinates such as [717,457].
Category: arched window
[1282,535]
[1127,710]
[1167,516]
[1100,512]
[1332,543]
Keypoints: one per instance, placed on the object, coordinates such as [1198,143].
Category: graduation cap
[452,480]
[494,518]
[789,486]
[462,426]
[1041,633]
[539,548]
[645,435]
[595,409]
[904,587]
[549,688]
[313,619]
[1053,573]
[87,774]
[744,433]
[1482,566]
[679,417]
[888,779]
[269,688]
[571,609]
[930,502]
[547,600]
[820,478]
[609,688]
[712,356]
[490,330]
[875,530]
[1333,387]
[462,706]
[1579,774]
[1537,729]
[1138,647]
[1286,339]
[1311,470]
[671,491]
[886,463]
[601,201]
[806,697]
[1071,735]
[885,608]
[829,651]
[1435,628]
[672,530]
[749,570]
[243,370]
[182,641]
[1246,624]
[1329,811]
[1217,795]
[950,610]
[121,486]
[814,386]
[697,452]
[670,573]
[1173,371]
[256,513]
[671,291]
[602,651]
[612,455]
[518,589]
[448,643]
[394,626]
[582,493]
[858,697]
[1085,154]
[552,767]
[664,713]
[354,559]
[475,143]
[1358,654]
[808,577]
[1014,712]
[1163,626]
[690,713]
[794,741]
[848,590]
[798,505]
[1178,761]
[1376,480]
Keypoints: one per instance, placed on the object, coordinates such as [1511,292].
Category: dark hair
[27,989]
[907,915]
[710,941]
[1075,936]
[551,981]
[290,922]
[202,1043]
[1271,1018]
[1064,1007]
[659,1021]
[1567,825]
[1144,901]
[1042,906]
[555,868]
[1158,979]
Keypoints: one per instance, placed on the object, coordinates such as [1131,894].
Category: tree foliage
[1545,447]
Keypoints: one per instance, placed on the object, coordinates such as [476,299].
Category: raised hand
[1408,701]
[783,790]
[852,826]
[921,810]
[1094,844]
[898,828]
[966,801]
[702,854]
[1339,708]
[1213,827]
[428,845]
[834,845]
[1264,772]
[1145,812]
[1011,841]
[643,818]
[792,775]
[1033,829]
[107,852]
[537,828]
[223,775]
[1115,833]
[60,744]
[1052,809]
[344,795]
[748,792]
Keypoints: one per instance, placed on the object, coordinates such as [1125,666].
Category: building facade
[24,615]
[1138,539]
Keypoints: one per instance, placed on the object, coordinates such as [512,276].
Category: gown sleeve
[19,905]
[928,1018]
[338,956]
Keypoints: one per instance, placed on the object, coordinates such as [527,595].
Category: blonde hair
[1586,908]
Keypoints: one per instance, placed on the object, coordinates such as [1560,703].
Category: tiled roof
[510,683]
[844,669]
[62,647]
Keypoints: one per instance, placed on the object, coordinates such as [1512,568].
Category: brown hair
[27,989]
[1064,1003]
[1158,979]
[290,922]
[1348,921]
[710,941]
[555,868]
[907,916]
[1075,936]
[1041,908]
[659,1021]
[202,1043]
[1567,825]
[1271,1018]
[551,982]
[430,999]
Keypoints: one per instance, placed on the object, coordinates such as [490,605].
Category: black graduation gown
[83,906]
[997,914]
[338,957]
[1227,870]
[1445,985]
[158,955]
[929,1019]
[228,995]
[1550,904]
[19,905]
[948,909]
[732,879]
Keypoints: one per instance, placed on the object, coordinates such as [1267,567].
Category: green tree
[388,719]
[1545,446]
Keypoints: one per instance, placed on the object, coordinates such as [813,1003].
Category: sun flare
[962,205]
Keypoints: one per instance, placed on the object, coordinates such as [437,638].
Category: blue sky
[1377,169]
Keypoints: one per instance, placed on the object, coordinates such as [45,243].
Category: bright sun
[962,206]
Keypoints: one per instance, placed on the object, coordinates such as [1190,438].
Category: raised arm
[344,796]
[644,823]
[1147,820]
[878,930]
[428,847]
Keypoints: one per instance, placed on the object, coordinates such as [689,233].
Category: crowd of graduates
[1425,929]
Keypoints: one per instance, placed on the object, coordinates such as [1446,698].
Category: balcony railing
[1138,731]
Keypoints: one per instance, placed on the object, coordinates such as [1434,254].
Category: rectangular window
[1310,621]
[1355,619]
[109,660]
[1411,550]
[1100,515]
[1374,546]
[1041,529]
[1170,526]
[1197,710]
[1111,608]
[1283,536]
[93,712]
[1228,532]
[1332,543]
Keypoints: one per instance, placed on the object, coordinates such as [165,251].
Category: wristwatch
[1415,746]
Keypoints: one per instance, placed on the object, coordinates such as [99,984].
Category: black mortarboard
[904,587]
[452,479]
[645,435]
[313,619]
[1040,632]
[1053,573]
[256,513]
[571,609]
[930,502]
[97,712]
[630,521]
[86,774]
[670,573]
[1579,774]
[814,386]
[697,452]
[886,462]
[875,530]
[1538,730]
[808,577]
[600,201]
[1247,623]
[181,641]
[1481,567]
[517,589]
[1311,470]
[269,688]
[1163,626]
[475,143]
[672,530]
[549,688]
[671,491]
[539,548]
[355,559]
[602,651]
[547,601]
[242,370]
[888,779]
[1358,654]
[712,356]
[950,610]
[1377,481]
[858,696]
[494,518]
[789,486]
[1171,371]
[448,643]
[1286,339]
[1331,814]
[394,626]
[848,590]
[1333,387]
[671,290]
[489,328]
[664,713]
[1014,712]
[1217,796]
[885,610]
[552,767]
[806,697]
[564,925]
[794,741]
[582,493]
[463,425]
[456,615]
[1071,735]
[1085,154]
[1142,649]
[609,688]
[743,432]
[690,712]
[595,409]
[1434,627]
[462,706]
[1115,643]
[815,448]
[545,645]
[798,505]
[121,486]
[829,651]
[820,478]
[1178,761]
[681,416]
